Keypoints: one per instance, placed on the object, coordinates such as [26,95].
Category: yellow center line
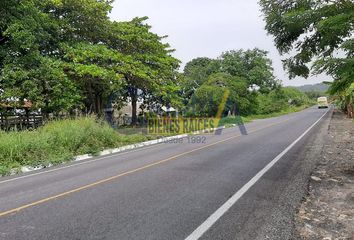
[15,210]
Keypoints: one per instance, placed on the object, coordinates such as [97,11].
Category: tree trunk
[89,102]
[98,105]
[235,111]
[134,99]
[45,110]
[350,110]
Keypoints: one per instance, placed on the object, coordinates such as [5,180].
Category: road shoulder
[269,208]
[327,211]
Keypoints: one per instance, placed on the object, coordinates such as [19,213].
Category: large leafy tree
[42,81]
[31,35]
[71,45]
[252,65]
[151,72]
[77,20]
[207,98]
[27,70]
[196,73]
[251,73]
[317,34]
[95,70]
[88,62]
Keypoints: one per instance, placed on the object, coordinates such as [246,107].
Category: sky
[206,28]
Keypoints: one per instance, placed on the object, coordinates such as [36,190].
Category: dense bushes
[280,100]
[208,97]
[58,142]
[275,103]
[247,75]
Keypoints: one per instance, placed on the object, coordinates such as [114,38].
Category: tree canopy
[151,70]
[253,65]
[209,95]
[196,73]
[318,35]
[241,72]
[66,54]
[311,28]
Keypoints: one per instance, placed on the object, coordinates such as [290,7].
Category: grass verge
[58,142]
[230,121]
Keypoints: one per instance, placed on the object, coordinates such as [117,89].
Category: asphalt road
[169,190]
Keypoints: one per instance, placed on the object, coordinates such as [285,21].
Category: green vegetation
[247,76]
[321,35]
[67,55]
[345,100]
[273,104]
[232,120]
[59,141]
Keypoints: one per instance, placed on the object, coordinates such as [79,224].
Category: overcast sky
[206,28]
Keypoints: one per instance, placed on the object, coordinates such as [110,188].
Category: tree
[196,72]
[151,71]
[78,20]
[43,82]
[88,62]
[27,71]
[316,31]
[95,70]
[33,61]
[208,97]
[87,56]
[252,65]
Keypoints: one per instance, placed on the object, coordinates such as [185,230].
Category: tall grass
[57,142]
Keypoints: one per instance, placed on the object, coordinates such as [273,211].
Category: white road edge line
[73,164]
[207,224]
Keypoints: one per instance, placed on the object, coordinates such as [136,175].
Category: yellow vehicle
[322,102]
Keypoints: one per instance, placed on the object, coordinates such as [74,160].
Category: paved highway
[229,187]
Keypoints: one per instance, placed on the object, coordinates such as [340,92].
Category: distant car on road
[322,102]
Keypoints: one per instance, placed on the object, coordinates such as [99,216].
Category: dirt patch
[328,210]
